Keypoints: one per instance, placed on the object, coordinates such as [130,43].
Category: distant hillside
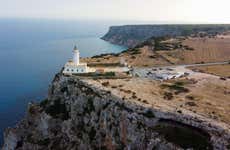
[131,35]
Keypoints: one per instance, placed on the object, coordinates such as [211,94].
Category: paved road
[207,64]
[194,65]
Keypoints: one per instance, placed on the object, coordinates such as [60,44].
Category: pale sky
[206,11]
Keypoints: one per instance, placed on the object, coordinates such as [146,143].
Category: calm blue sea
[32,51]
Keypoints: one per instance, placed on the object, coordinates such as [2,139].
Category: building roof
[72,64]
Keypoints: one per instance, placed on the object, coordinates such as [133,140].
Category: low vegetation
[168,95]
[105,83]
[191,104]
[105,65]
[107,54]
[193,97]
[135,51]
[177,87]
[190,97]
[219,70]
[164,43]
[204,50]
[94,74]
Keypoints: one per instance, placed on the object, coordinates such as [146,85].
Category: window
[82,70]
[72,70]
[67,69]
[77,70]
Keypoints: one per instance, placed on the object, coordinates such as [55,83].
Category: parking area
[162,73]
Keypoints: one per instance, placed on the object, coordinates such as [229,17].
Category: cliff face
[78,115]
[131,35]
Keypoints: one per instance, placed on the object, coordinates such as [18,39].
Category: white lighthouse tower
[76,55]
[74,66]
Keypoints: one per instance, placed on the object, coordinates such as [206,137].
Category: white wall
[80,69]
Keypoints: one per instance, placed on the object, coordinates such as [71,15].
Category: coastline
[48,54]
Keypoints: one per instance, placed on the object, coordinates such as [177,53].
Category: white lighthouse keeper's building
[74,66]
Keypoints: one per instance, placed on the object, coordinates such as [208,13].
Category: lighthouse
[76,55]
[75,66]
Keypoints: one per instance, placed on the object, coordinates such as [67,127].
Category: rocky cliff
[80,115]
[131,35]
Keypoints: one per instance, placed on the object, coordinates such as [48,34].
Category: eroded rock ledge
[79,115]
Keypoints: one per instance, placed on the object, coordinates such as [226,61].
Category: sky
[197,11]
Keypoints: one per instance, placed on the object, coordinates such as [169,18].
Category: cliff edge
[79,114]
[132,35]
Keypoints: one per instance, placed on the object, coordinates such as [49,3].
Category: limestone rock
[78,115]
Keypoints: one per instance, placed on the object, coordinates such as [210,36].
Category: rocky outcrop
[78,115]
[131,35]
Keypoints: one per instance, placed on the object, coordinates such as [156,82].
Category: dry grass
[205,50]
[213,99]
[203,94]
[141,57]
[208,97]
[219,70]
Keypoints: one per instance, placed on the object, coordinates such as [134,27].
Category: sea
[32,51]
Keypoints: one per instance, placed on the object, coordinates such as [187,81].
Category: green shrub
[168,95]
[107,54]
[177,87]
[133,57]
[104,64]
[145,101]
[135,51]
[190,97]
[105,83]
[179,83]
[109,74]
[191,104]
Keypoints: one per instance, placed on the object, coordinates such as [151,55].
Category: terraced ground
[219,70]
[189,50]
[138,57]
[204,50]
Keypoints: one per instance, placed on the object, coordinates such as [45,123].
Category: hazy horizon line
[120,21]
